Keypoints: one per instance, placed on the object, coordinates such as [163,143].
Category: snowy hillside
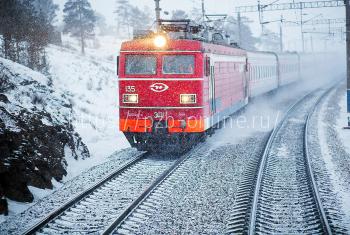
[81,93]
[35,131]
[90,83]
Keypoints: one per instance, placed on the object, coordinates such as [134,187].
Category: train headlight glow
[160,41]
[188,99]
[130,98]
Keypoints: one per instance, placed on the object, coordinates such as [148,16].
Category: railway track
[94,209]
[146,204]
[281,203]
[284,198]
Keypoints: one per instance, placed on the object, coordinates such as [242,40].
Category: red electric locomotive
[172,91]
[175,91]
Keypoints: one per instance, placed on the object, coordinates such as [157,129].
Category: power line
[317,22]
[289,6]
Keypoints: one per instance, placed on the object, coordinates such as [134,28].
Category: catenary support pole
[158,9]
[239,24]
[301,28]
[347,6]
[281,35]
[203,11]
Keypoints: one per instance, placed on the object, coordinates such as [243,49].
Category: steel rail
[41,224]
[273,134]
[253,214]
[135,204]
[324,220]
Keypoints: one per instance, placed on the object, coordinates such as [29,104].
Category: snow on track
[95,211]
[196,198]
[20,222]
[285,202]
[335,161]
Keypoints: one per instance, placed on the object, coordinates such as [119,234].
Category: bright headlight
[188,99]
[159,41]
[130,98]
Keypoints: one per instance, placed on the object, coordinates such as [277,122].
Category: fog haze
[291,34]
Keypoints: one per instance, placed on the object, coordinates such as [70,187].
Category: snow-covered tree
[139,19]
[25,28]
[179,15]
[130,17]
[269,41]
[122,12]
[196,15]
[101,24]
[248,41]
[47,7]
[79,20]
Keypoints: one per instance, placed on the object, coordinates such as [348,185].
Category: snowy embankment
[35,135]
[88,86]
[334,149]
[91,85]
[344,134]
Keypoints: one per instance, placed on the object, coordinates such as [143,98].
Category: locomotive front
[161,93]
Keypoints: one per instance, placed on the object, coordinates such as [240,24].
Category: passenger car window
[140,64]
[178,64]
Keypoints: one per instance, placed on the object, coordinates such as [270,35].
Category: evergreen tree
[122,11]
[248,41]
[10,29]
[46,7]
[101,24]
[196,15]
[79,20]
[269,41]
[179,15]
[131,17]
[139,19]
[25,29]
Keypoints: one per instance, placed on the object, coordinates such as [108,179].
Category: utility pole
[301,28]
[281,34]
[239,24]
[203,11]
[158,9]
[347,6]
[260,16]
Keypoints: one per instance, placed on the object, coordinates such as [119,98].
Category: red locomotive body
[174,94]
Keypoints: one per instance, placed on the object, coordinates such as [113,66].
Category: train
[175,92]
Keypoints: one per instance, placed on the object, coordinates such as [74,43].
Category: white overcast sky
[291,34]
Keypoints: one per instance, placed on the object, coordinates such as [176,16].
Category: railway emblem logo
[159,87]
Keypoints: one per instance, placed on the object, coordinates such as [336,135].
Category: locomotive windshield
[140,64]
[178,64]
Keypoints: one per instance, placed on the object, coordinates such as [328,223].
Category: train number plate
[130,89]
[159,114]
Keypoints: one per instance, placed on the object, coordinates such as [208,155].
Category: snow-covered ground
[17,223]
[259,117]
[342,121]
[334,149]
[33,108]
[90,82]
